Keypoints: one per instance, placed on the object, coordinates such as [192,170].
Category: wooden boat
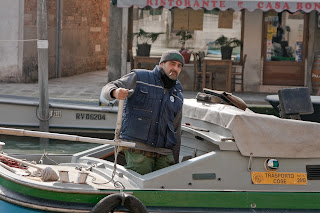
[231,160]
[73,117]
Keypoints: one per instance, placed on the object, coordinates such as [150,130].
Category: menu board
[188,19]
[225,19]
[181,17]
[195,19]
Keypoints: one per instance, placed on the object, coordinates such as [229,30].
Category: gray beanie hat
[172,55]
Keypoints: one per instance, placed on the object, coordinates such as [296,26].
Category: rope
[94,180]
[118,184]
[42,119]
[116,152]
[45,155]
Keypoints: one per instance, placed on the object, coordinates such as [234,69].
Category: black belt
[146,153]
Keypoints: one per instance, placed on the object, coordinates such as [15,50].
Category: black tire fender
[109,203]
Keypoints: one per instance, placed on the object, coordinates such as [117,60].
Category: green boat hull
[168,199]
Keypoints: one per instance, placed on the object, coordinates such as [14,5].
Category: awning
[278,5]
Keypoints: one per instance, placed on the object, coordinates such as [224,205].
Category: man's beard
[167,82]
[173,72]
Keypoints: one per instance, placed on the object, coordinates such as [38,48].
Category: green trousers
[143,164]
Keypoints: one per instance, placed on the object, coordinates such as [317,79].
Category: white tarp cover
[261,135]
[278,5]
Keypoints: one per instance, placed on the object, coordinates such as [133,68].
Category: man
[152,114]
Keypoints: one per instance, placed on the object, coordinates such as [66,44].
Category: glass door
[284,48]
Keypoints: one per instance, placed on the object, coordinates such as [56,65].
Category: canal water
[8,207]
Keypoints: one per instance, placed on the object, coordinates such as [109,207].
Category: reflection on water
[9,207]
[30,145]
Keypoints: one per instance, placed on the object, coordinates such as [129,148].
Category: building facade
[279,37]
[82,45]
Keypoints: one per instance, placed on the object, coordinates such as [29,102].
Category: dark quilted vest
[149,113]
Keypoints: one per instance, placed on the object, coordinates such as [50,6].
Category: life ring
[109,203]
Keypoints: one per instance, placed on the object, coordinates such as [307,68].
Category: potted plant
[144,39]
[227,45]
[184,36]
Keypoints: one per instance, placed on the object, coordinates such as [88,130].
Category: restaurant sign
[280,5]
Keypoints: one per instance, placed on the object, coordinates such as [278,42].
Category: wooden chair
[131,59]
[197,81]
[236,75]
[145,62]
[220,74]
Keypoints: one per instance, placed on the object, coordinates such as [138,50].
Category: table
[210,62]
[152,61]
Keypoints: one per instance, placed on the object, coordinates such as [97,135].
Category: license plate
[279,178]
[57,114]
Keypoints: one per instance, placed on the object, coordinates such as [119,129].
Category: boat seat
[294,102]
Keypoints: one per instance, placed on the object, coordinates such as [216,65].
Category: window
[203,34]
[284,36]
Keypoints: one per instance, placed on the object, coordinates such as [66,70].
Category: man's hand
[120,93]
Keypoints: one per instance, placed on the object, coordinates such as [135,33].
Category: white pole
[119,120]
[22,132]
